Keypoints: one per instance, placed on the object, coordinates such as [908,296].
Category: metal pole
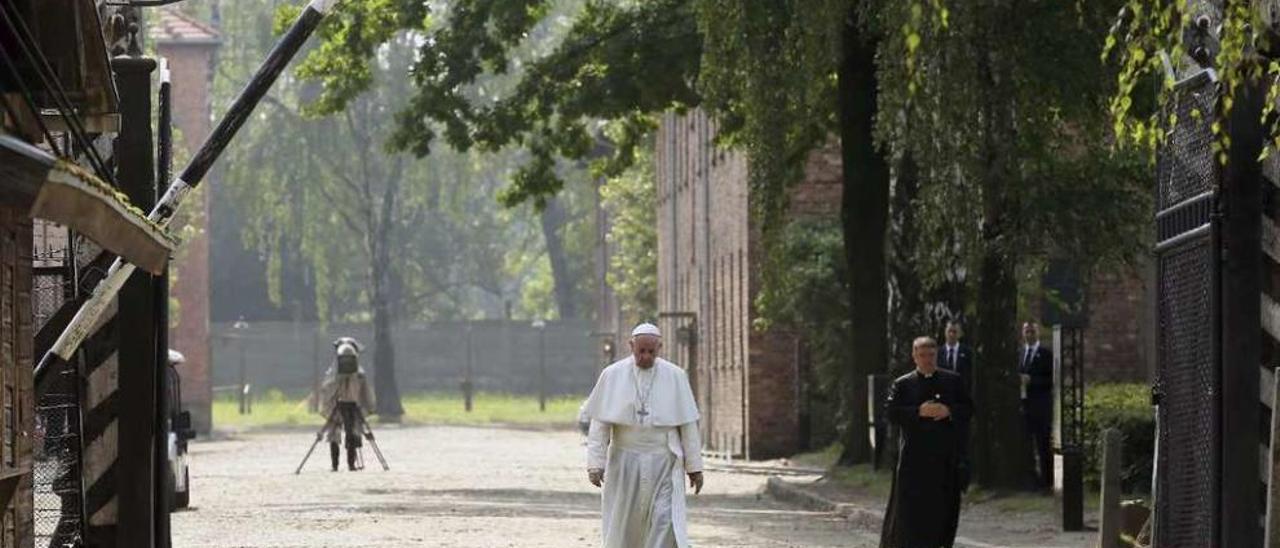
[467,386]
[1068,386]
[542,368]
[315,372]
[164,160]
[138,408]
[87,316]
[243,407]
[1109,530]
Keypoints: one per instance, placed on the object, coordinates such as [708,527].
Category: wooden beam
[135,317]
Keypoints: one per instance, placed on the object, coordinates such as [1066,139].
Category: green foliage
[1126,407]
[1059,181]
[1003,106]
[1147,34]
[802,297]
[768,74]
[633,267]
[615,61]
[314,190]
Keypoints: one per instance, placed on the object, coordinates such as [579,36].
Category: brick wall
[774,395]
[818,195]
[17,341]
[709,264]
[1118,339]
[702,251]
[190,67]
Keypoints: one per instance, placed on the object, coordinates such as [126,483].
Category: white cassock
[644,434]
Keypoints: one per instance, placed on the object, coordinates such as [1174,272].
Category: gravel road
[454,487]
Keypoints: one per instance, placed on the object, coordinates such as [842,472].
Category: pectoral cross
[643,412]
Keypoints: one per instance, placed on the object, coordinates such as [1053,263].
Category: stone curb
[860,517]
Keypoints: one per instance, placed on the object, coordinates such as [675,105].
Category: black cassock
[924,507]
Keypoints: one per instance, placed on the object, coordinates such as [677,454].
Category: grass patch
[1007,502]
[824,459]
[274,409]
[1016,502]
[862,478]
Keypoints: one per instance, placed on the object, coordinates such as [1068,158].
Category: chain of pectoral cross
[643,401]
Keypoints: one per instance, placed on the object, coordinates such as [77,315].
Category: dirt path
[453,487]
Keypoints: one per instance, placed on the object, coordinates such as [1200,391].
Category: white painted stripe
[102,382]
[81,325]
[1271,317]
[1267,387]
[1264,464]
[322,6]
[100,454]
[1270,239]
[172,198]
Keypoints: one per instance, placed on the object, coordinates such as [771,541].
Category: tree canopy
[612,61]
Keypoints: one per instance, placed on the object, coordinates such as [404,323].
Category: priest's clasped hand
[934,410]
[595,476]
[695,481]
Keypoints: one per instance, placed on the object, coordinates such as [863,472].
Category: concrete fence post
[1109,530]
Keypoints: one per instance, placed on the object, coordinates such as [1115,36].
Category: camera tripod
[365,431]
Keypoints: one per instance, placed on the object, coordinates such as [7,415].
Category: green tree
[633,269]
[1008,125]
[339,191]
[384,236]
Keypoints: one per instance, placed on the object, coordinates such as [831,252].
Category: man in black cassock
[931,407]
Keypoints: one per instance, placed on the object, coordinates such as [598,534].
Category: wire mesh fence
[56,471]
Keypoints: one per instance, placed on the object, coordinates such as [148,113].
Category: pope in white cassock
[642,441]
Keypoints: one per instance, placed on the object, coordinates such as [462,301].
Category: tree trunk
[384,362]
[553,220]
[1001,453]
[385,295]
[864,216]
[908,317]
[1001,457]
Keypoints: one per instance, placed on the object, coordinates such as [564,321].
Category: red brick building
[746,380]
[189,46]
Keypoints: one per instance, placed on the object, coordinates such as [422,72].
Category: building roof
[54,189]
[170,26]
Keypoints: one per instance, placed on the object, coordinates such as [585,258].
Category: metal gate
[1188,383]
[58,504]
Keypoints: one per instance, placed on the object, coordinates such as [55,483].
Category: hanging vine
[1148,43]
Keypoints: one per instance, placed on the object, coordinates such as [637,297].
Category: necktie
[951,357]
[1026,359]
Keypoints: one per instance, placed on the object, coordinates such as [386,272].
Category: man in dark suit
[1035,367]
[955,356]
